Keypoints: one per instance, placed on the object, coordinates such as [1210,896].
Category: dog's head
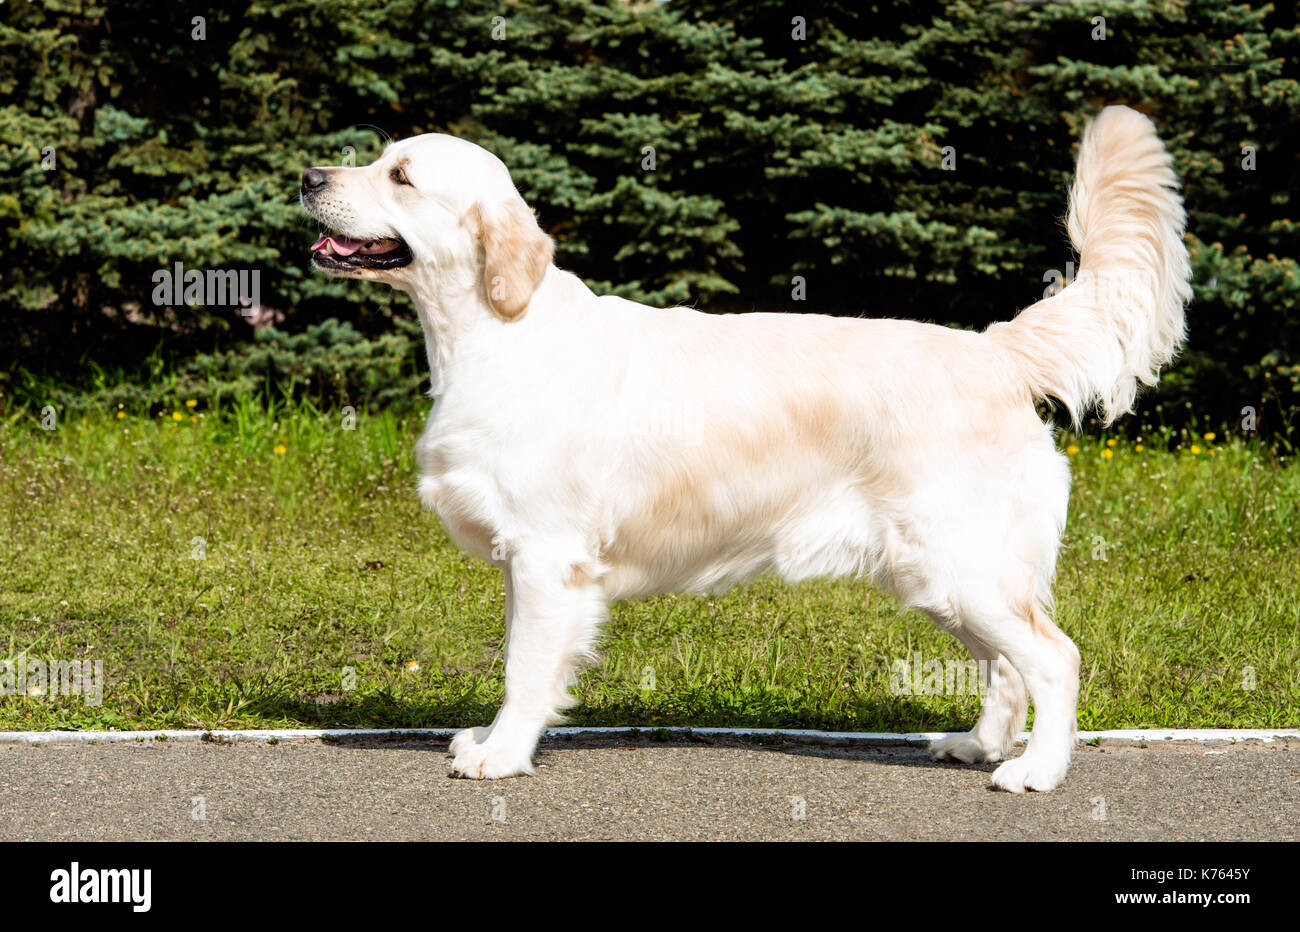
[433,210]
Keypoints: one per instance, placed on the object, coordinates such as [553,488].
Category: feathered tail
[1121,319]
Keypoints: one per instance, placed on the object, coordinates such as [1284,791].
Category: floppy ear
[516,254]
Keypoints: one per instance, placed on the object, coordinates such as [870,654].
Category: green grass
[98,521]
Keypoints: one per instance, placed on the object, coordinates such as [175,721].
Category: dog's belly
[723,534]
[677,514]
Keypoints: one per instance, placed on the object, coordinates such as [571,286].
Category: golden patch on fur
[516,254]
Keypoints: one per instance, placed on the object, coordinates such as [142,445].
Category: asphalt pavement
[635,788]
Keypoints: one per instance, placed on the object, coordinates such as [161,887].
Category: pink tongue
[342,245]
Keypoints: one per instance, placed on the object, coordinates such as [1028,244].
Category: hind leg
[1001,718]
[983,566]
[1048,662]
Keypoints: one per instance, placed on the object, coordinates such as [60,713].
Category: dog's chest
[457,483]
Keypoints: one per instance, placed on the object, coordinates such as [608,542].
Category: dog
[597,450]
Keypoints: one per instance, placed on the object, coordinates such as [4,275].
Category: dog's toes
[1030,772]
[467,738]
[964,747]
[485,762]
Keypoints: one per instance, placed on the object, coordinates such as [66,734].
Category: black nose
[312,178]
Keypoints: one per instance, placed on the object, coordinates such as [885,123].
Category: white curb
[879,739]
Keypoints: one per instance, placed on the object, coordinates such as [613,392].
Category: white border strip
[880,739]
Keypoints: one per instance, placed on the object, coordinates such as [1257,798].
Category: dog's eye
[398,176]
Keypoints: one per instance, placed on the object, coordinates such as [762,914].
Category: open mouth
[343,253]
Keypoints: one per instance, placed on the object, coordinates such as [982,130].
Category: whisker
[382,133]
[379,130]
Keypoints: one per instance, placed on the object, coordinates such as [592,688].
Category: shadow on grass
[697,709]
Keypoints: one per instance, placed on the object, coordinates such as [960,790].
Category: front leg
[553,612]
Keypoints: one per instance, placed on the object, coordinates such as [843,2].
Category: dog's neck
[449,307]
[453,310]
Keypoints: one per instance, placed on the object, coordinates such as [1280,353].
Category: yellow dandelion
[1210,436]
[120,415]
[281,449]
[1195,449]
[1107,453]
[192,403]
[1138,448]
[177,416]
[1071,450]
[1110,442]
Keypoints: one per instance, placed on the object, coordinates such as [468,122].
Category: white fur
[598,450]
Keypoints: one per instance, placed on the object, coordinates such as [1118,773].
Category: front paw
[467,738]
[486,762]
[964,747]
[1039,772]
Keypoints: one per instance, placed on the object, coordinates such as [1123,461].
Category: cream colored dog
[596,449]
